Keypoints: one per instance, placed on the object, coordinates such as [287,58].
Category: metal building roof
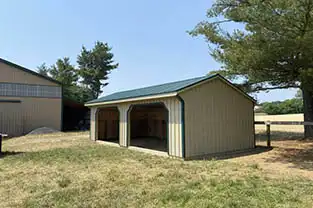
[152,90]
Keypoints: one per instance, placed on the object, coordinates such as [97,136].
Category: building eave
[217,76]
[132,99]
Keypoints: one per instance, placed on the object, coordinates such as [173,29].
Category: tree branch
[260,88]
[222,21]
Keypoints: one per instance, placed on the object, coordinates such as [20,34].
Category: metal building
[28,100]
[185,119]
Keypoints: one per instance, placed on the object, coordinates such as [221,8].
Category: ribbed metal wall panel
[37,112]
[11,121]
[123,108]
[41,112]
[93,124]
[174,129]
[10,74]
[36,108]
[217,119]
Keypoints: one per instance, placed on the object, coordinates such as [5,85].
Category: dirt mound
[43,130]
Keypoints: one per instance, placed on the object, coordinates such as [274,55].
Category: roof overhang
[173,94]
[132,99]
[218,76]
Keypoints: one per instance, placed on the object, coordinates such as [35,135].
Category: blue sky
[149,38]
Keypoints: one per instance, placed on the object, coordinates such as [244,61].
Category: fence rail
[303,123]
[269,123]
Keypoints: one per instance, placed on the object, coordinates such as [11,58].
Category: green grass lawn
[70,171]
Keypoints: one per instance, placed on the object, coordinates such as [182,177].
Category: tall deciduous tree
[274,51]
[95,66]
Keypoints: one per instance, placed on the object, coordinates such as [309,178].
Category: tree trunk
[308,112]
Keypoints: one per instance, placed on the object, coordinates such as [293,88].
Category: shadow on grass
[235,154]
[112,140]
[290,148]
[279,136]
[298,157]
[9,153]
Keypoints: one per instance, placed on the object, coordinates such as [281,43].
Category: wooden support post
[0,144]
[268,132]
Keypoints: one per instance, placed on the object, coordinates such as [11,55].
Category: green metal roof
[153,90]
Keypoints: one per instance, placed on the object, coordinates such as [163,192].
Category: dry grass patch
[281,128]
[31,143]
[80,173]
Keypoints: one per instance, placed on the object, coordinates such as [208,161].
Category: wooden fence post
[0,144]
[268,132]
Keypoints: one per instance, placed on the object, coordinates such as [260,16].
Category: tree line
[289,106]
[83,82]
[272,48]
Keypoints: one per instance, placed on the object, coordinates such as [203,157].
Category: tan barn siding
[174,131]
[11,121]
[124,130]
[11,74]
[38,112]
[217,119]
[93,123]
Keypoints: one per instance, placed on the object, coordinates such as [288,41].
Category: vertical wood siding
[174,123]
[154,118]
[217,119]
[108,123]
[11,121]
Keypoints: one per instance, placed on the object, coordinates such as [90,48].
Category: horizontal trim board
[30,97]
[305,123]
[10,101]
[17,83]
[133,99]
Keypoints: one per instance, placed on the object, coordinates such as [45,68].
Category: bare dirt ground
[291,155]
